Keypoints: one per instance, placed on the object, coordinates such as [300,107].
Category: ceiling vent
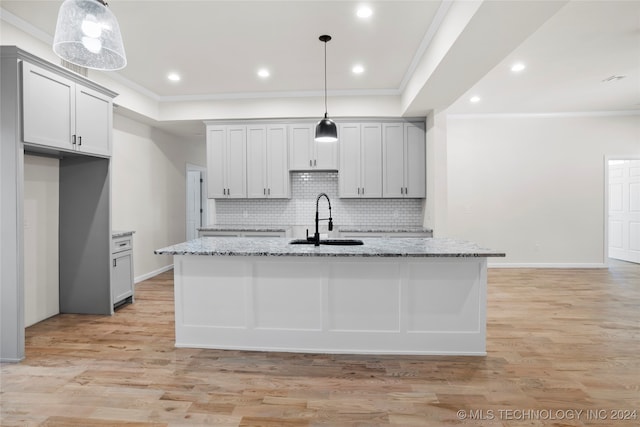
[613,78]
[75,68]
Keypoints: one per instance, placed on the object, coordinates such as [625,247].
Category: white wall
[149,189]
[41,202]
[533,186]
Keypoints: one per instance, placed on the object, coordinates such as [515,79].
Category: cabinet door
[301,147]
[236,148]
[121,277]
[393,160]
[93,121]
[349,176]
[415,160]
[48,108]
[277,162]
[216,183]
[326,155]
[256,163]
[371,160]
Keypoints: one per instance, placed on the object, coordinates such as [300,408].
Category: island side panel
[359,305]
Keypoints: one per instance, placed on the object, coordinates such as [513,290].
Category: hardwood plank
[563,340]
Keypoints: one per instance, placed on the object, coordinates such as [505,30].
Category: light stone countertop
[266,228]
[372,247]
[377,229]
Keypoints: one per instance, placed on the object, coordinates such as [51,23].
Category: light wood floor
[559,342]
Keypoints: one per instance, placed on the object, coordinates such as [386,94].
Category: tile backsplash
[300,209]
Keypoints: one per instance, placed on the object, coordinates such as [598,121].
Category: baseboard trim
[547,265]
[152,274]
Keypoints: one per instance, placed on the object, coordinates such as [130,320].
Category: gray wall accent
[85,236]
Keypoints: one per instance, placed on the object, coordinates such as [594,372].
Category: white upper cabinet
[267,162]
[307,154]
[93,121]
[404,160]
[226,161]
[360,160]
[60,113]
[415,160]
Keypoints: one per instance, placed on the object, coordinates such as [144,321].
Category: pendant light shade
[87,34]
[326,129]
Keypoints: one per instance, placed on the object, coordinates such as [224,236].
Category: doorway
[196,199]
[623,209]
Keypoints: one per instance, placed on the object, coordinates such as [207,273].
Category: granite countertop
[119,233]
[373,247]
[378,229]
[268,228]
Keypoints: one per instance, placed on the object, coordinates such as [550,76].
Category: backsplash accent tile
[300,209]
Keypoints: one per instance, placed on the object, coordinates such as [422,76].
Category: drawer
[121,244]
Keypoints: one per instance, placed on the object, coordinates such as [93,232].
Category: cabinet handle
[79,140]
[264,191]
[310,162]
[73,139]
[358,190]
[363,191]
[269,191]
[114,263]
[314,163]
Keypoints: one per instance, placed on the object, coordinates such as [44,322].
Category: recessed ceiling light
[364,12]
[264,73]
[174,77]
[517,67]
[475,99]
[357,69]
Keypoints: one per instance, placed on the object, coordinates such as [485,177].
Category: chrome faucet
[316,236]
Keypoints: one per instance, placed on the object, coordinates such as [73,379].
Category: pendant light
[326,129]
[87,34]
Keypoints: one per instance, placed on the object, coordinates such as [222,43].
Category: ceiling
[218,46]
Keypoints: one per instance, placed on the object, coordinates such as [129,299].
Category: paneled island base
[332,304]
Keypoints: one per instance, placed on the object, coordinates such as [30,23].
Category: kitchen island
[387,296]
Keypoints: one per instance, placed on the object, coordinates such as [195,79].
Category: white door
[256,164]
[624,210]
[194,204]
[300,147]
[392,160]
[277,162]
[93,121]
[371,160]
[349,177]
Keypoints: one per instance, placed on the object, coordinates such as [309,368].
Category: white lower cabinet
[122,287]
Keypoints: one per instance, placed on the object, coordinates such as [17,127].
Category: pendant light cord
[325,79]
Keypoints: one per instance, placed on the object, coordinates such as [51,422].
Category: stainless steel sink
[337,242]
